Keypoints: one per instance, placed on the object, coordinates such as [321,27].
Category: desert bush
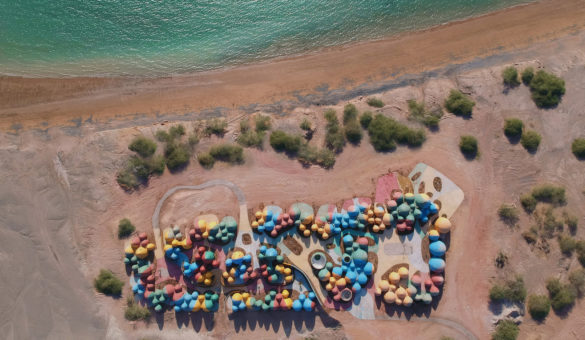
[386,132]
[530,236]
[513,127]
[305,125]
[216,126]
[206,160]
[506,330]
[311,155]
[156,164]
[580,249]
[176,155]
[163,136]
[193,139]
[353,132]
[125,228]
[107,283]
[143,146]
[410,137]
[510,76]
[562,296]
[508,213]
[530,140]
[547,89]
[578,148]
[459,104]
[134,311]
[549,194]
[527,75]
[283,142]
[567,244]
[177,131]
[577,281]
[419,113]
[510,290]
[244,126]
[571,221]
[375,102]
[127,180]
[251,139]
[334,137]
[468,146]
[538,306]
[501,259]
[366,119]
[350,113]
[528,203]
[262,123]
[229,153]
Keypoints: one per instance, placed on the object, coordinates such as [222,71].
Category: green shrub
[251,139]
[571,221]
[262,123]
[143,146]
[567,244]
[216,126]
[578,148]
[410,137]
[528,203]
[386,132]
[177,131]
[366,119]
[510,76]
[283,142]
[305,125]
[134,311]
[562,296]
[353,132]
[513,127]
[127,180]
[176,155]
[375,102]
[350,113]
[206,160]
[419,113]
[229,153]
[506,330]
[530,140]
[508,213]
[107,283]
[547,89]
[538,306]
[125,228]
[459,104]
[510,290]
[468,146]
[156,165]
[163,136]
[527,75]
[549,194]
[311,155]
[577,281]
[193,139]
[244,126]
[334,138]
[530,236]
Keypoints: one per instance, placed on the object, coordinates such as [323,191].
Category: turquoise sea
[165,37]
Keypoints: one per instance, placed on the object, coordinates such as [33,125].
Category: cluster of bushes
[419,113]
[508,214]
[510,290]
[125,228]
[578,148]
[229,153]
[514,130]
[177,155]
[141,166]
[334,137]
[385,132]
[254,138]
[562,295]
[506,330]
[216,127]
[351,126]
[375,102]
[459,104]
[366,119]
[545,193]
[134,311]
[295,146]
[469,146]
[107,283]
[546,88]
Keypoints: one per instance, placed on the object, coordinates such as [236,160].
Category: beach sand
[30,103]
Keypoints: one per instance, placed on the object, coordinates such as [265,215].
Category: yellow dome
[150,246]
[258,214]
[245,295]
[443,225]
[403,272]
[394,277]
[285,294]
[389,297]
[378,291]
[141,252]
[237,255]
[129,250]
[401,293]
[425,197]
[433,232]
[237,297]
[384,285]
[386,219]
[254,224]
[407,301]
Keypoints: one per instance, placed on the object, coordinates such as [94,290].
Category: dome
[436,264]
[437,248]
[346,295]
[403,272]
[384,285]
[438,280]
[389,297]
[403,209]
[394,277]
[407,301]
[360,257]
[443,225]
[433,235]
[401,293]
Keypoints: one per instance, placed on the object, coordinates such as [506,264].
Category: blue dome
[437,248]
[436,264]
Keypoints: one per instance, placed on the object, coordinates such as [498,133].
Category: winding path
[244,219]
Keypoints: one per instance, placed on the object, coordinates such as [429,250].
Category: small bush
[229,153]
[163,136]
[506,330]
[177,156]
[125,228]
[580,249]
[549,194]
[386,132]
[562,296]
[547,89]
[156,164]
[528,203]
[350,113]
[538,306]
[567,244]
[193,140]
[530,236]
[177,131]
[262,123]
[513,128]
[578,148]
[375,102]
[127,180]
[134,311]
[419,113]
[468,146]
[501,260]
[143,146]
[305,125]
[353,132]
[366,119]
[334,138]
[206,160]
[510,76]
[508,214]
[571,221]
[216,126]
[459,104]
[283,142]
[107,283]
[510,290]
[577,281]
[530,140]
[527,75]
[311,155]
[251,139]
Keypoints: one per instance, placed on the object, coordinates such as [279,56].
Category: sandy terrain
[59,202]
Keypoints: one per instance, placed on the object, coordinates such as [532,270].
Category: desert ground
[60,203]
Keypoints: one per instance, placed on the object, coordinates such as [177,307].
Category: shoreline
[43,102]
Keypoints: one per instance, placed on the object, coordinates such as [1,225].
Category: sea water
[62,38]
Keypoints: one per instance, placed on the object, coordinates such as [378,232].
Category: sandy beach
[39,103]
